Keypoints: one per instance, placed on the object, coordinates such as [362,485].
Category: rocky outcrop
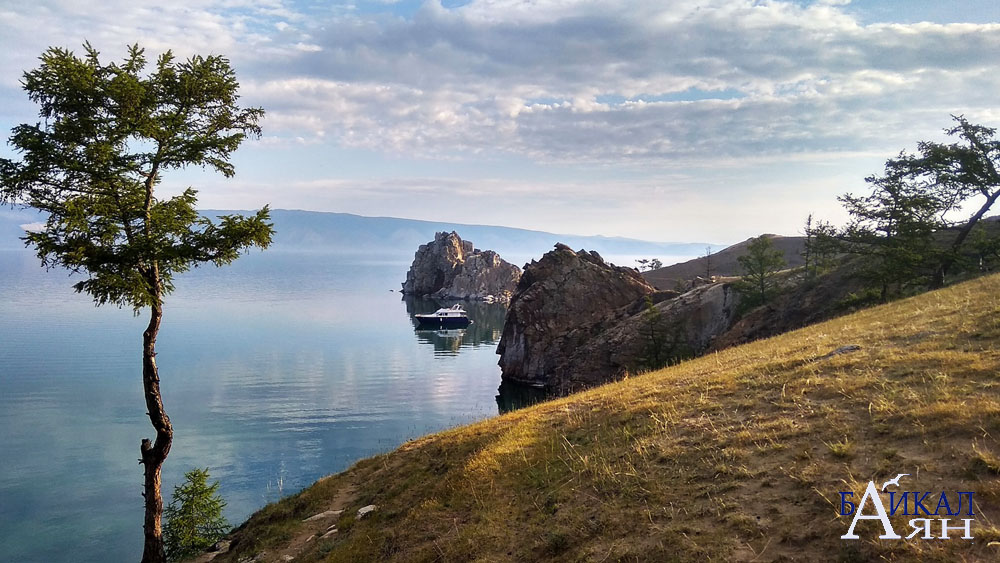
[576,321]
[562,302]
[451,268]
[798,305]
[652,336]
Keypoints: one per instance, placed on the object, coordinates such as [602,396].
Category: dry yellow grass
[737,456]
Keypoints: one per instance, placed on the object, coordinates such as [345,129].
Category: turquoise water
[276,370]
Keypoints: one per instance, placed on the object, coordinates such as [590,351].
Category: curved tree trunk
[963,233]
[153,454]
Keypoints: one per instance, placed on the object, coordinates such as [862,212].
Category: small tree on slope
[193,521]
[760,264]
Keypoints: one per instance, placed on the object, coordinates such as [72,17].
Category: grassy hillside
[723,262]
[736,456]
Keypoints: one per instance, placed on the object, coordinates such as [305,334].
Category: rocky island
[451,268]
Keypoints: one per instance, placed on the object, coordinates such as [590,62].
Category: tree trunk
[963,233]
[153,454]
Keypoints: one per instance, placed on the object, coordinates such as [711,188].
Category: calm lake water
[276,370]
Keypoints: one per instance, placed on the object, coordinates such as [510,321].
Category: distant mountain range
[390,237]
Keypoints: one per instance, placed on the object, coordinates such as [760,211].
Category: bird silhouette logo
[894,480]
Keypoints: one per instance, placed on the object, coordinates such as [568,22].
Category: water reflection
[277,371]
[485,330]
[445,342]
[512,396]
[487,324]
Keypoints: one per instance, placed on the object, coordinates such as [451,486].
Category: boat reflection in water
[446,342]
[485,329]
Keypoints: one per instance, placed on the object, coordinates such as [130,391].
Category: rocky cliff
[575,321]
[451,268]
[652,335]
[561,303]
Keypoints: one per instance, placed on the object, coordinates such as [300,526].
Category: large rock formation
[561,303]
[576,321]
[451,268]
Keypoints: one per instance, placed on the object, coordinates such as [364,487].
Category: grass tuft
[841,449]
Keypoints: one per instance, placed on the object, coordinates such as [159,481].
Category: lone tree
[819,249]
[908,216]
[93,163]
[760,264]
[665,340]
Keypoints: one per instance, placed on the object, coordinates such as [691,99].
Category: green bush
[860,299]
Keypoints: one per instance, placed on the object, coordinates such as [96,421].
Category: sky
[708,120]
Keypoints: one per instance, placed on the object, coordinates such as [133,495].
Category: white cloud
[35,227]
[307,47]
[566,80]
[640,88]
[531,78]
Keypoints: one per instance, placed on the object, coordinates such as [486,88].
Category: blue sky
[688,120]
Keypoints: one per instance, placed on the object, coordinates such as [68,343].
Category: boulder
[451,268]
[323,515]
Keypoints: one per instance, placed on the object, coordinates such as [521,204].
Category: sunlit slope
[734,456]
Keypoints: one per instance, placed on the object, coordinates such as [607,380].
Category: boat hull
[435,322]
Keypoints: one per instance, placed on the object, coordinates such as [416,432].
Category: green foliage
[820,249]
[760,265]
[860,299]
[107,134]
[649,264]
[652,318]
[893,228]
[985,247]
[905,229]
[193,520]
